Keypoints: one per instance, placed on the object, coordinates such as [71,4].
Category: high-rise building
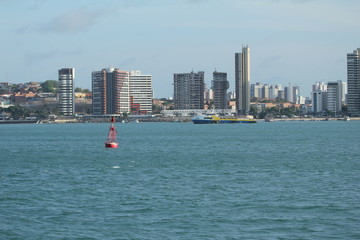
[292,93]
[265,91]
[344,92]
[317,101]
[273,92]
[334,96]
[353,83]
[220,84]
[281,94]
[110,91]
[208,93]
[256,90]
[319,86]
[189,90]
[242,81]
[66,91]
[141,92]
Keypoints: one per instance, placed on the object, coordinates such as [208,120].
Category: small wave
[116,167]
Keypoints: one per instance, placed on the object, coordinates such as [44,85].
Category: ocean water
[278,180]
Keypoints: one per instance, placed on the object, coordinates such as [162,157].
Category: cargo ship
[200,119]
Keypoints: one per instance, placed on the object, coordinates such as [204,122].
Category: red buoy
[111,139]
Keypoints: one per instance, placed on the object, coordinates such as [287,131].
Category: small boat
[111,141]
[200,119]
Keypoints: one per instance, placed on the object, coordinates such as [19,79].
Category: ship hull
[111,145]
[212,120]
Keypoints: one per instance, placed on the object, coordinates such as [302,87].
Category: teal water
[279,180]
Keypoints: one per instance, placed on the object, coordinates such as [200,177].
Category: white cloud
[71,22]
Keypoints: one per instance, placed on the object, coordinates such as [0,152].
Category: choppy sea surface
[278,180]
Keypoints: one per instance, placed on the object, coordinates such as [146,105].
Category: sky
[291,41]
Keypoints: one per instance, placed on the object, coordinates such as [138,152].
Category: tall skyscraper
[220,84]
[141,91]
[242,81]
[189,90]
[318,98]
[66,91]
[334,96]
[110,91]
[353,83]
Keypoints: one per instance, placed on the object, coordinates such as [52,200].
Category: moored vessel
[200,119]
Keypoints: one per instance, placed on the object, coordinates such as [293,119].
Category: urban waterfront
[278,180]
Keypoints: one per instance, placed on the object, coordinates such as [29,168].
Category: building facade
[189,90]
[242,81]
[111,94]
[220,84]
[353,83]
[319,86]
[334,96]
[208,93]
[318,97]
[141,93]
[66,91]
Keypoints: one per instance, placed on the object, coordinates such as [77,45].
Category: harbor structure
[111,93]
[189,90]
[353,83]
[220,84]
[242,81]
[66,91]
[141,92]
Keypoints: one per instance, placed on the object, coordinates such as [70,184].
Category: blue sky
[291,41]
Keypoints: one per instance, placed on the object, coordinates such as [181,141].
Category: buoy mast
[111,141]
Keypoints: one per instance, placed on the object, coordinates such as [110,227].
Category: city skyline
[292,41]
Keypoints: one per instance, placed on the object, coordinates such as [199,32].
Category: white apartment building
[319,86]
[141,92]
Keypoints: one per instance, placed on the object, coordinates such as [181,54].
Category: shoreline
[159,119]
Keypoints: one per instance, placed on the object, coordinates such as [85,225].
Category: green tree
[18,111]
[85,90]
[49,86]
[156,108]
[253,110]
[279,100]
[42,114]
[15,88]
